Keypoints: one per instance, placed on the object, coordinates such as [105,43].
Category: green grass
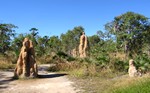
[142,86]
[116,84]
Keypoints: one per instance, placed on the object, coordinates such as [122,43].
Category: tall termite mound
[26,64]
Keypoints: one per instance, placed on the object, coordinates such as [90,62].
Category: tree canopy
[6,35]
[130,30]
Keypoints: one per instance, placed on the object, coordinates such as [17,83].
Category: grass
[138,86]
[6,63]
[95,79]
[95,84]
[117,84]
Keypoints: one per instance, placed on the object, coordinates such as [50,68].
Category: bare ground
[46,83]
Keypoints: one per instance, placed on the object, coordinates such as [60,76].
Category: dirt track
[46,83]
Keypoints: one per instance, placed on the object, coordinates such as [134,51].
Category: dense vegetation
[126,36]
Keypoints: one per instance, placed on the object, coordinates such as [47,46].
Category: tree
[33,35]
[70,40]
[34,31]
[54,44]
[6,34]
[93,40]
[16,44]
[40,48]
[101,45]
[130,31]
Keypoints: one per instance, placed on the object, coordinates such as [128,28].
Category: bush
[64,56]
[120,65]
[142,63]
[64,66]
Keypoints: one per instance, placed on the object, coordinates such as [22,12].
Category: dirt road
[46,83]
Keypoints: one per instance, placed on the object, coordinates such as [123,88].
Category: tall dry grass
[6,62]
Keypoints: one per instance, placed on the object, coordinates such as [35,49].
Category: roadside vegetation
[105,68]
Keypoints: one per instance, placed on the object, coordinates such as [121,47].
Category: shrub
[120,65]
[142,63]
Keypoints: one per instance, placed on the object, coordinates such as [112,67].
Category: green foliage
[121,65]
[33,32]
[143,63]
[130,30]
[62,54]
[93,40]
[128,33]
[33,35]
[17,44]
[6,34]
[103,59]
[70,40]
[42,45]
[65,56]
[101,48]
[54,43]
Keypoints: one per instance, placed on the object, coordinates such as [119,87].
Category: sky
[54,17]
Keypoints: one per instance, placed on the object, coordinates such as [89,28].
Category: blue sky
[53,17]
